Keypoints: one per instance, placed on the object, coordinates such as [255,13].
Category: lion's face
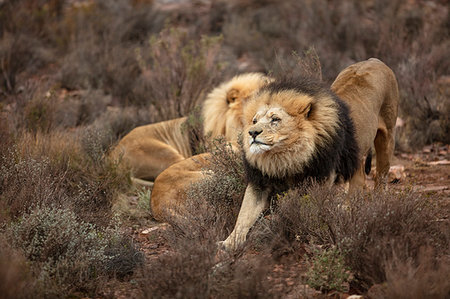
[283,129]
[271,128]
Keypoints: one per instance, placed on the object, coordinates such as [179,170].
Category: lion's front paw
[232,243]
[226,246]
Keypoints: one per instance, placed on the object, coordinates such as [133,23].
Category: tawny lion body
[370,90]
[150,149]
[169,191]
[295,131]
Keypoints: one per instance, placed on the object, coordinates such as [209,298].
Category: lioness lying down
[299,130]
[150,149]
[169,190]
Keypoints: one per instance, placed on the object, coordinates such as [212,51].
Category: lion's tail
[368,164]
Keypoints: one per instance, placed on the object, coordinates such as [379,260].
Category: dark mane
[340,156]
[304,85]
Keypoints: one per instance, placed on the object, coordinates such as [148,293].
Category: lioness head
[222,110]
[285,127]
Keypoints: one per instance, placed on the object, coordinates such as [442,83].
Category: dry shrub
[424,35]
[370,229]
[294,65]
[177,70]
[102,39]
[45,108]
[26,182]
[423,277]
[44,169]
[388,226]
[23,39]
[224,186]
[67,254]
[117,122]
[192,267]
[80,108]
[15,278]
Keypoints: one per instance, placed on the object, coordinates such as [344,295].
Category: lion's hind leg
[384,148]
[148,160]
[358,180]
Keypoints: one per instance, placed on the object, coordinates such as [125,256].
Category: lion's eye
[275,119]
[233,99]
[254,121]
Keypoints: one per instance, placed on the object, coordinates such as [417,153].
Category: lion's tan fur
[370,90]
[290,156]
[169,190]
[150,149]
[225,117]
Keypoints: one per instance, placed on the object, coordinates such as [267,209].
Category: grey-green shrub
[328,271]
[67,254]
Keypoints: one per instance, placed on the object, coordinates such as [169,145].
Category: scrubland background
[75,76]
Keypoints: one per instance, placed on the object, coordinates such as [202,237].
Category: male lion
[300,130]
[150,149]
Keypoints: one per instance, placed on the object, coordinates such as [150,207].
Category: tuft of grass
[422,277]
[54,169]
[328,271]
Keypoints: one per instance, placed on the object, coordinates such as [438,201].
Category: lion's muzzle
[254,132]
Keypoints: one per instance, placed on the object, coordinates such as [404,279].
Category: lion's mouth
[258,147]
[257,142]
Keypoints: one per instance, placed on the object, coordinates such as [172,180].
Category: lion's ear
[307,110]
[232,95]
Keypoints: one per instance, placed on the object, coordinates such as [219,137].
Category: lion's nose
[254,133]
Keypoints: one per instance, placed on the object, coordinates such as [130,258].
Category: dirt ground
[426,171]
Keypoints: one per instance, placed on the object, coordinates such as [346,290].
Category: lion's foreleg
[254,203]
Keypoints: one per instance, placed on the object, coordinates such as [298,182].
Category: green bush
[328,271]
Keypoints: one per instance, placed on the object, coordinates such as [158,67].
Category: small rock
[397,173]
[435,188]
[162,226]
[440,162]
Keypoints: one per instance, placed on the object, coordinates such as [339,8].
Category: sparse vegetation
[327,271]
[66,253]
[75,76]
